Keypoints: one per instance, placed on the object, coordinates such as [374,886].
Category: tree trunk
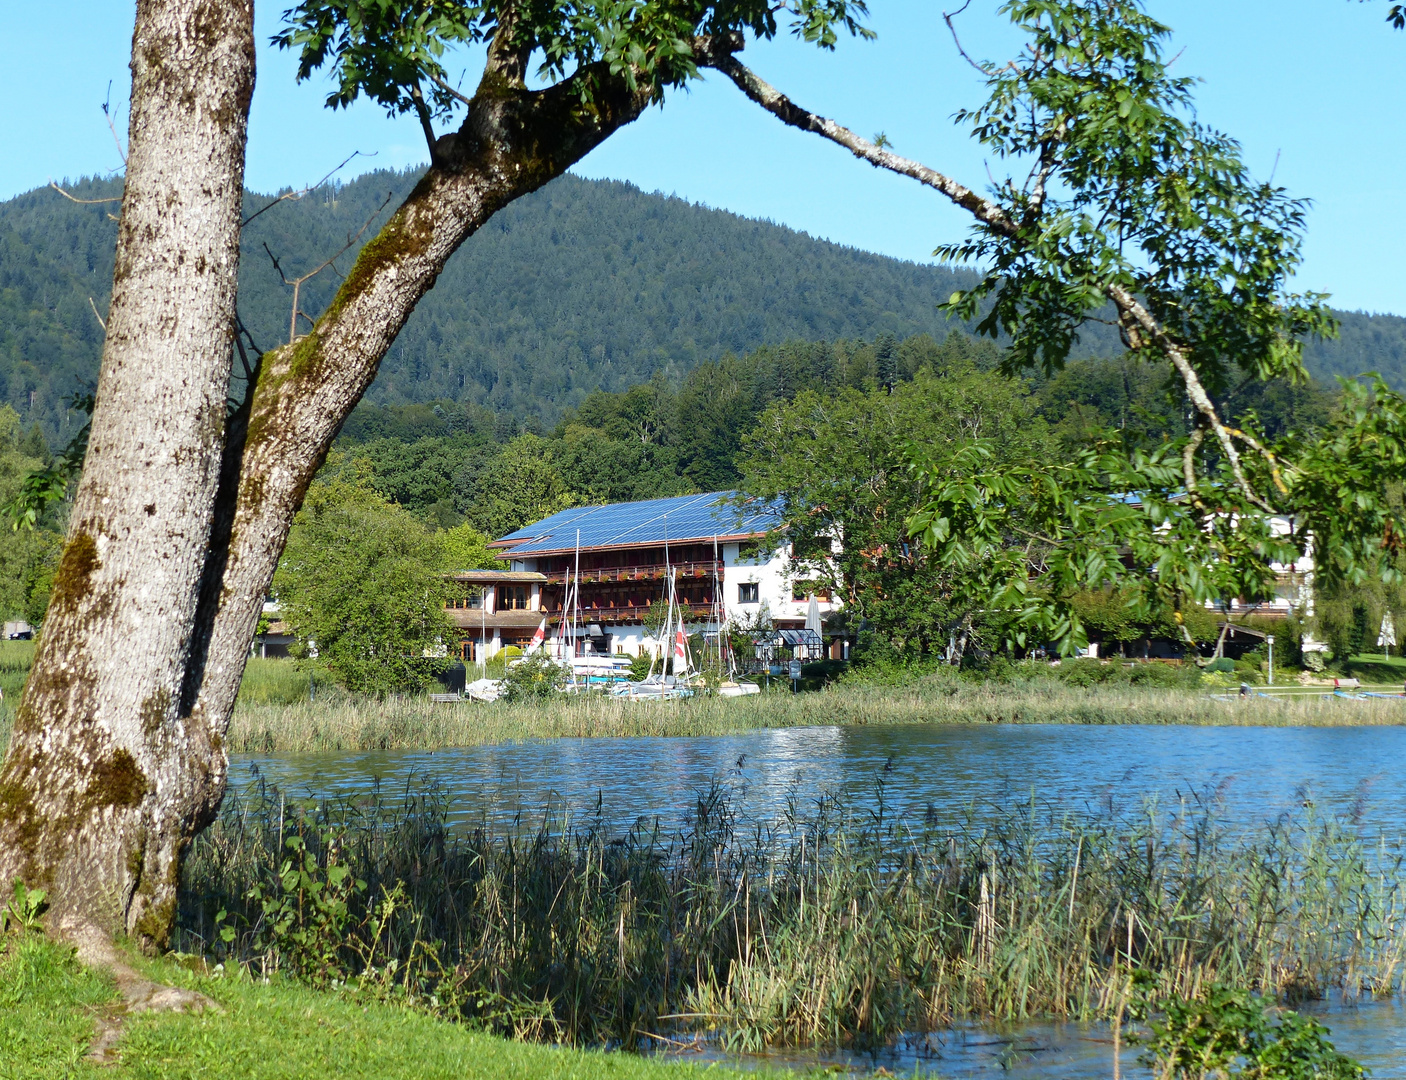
[118,758]
[105,781]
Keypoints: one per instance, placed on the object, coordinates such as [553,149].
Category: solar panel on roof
[650,521]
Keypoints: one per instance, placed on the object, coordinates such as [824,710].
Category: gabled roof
[681,519]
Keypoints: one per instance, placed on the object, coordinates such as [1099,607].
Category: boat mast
[576,610]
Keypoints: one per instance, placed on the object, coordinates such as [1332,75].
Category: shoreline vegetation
[416,724]
[831,926]
[293,708]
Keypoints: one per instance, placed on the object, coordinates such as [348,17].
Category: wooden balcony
[621,615]
[642,572]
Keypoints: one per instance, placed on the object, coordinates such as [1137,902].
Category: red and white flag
[538,638]
[680,647]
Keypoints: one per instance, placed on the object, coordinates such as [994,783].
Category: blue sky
[1314,85]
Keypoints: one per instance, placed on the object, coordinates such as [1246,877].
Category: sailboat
[673,644]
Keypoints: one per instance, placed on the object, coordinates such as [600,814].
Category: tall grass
[414,723]
[827,927]
[16,657]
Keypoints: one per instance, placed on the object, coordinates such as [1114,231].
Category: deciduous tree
[111,768]
[362,581]
[117,756]
[1128,208]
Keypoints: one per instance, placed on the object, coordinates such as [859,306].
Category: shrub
[1228,1032]
[537,676]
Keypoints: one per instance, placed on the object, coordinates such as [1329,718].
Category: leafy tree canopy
[1130,202]
[465,548]
[394,52]
[362,580]
[838,467]
[27,556]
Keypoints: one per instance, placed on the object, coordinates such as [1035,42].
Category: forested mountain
[585,285]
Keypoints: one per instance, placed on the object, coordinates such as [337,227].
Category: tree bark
[105,779]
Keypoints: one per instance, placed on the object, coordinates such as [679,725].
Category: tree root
[139,994]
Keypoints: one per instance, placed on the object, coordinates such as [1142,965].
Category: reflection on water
[936,769]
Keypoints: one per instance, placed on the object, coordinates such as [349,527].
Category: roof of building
[653,521]
[476,618]
[493,577]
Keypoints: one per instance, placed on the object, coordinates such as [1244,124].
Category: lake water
[1374,1033]
[1256,775]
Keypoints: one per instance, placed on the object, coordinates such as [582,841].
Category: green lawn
[1374,668]
[48,1003]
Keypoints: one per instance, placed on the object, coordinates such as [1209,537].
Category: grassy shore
[275,714]
[412,723]
[272,1030]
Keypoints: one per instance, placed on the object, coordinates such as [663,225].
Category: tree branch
[1136,321]
[84,202]
[782,107]
[423,112]
[295,195]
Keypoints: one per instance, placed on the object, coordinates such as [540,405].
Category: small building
[715,545]
[497,608]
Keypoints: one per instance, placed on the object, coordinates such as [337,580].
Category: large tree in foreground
[108,773]
[117,754]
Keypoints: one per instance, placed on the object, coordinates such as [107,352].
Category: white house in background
[1293,585]
[620,554]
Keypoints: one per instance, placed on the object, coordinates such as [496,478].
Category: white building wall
[774,577]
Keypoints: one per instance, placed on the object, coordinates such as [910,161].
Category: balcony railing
[641,572]
[624,614]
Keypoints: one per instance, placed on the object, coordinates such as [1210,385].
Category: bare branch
[958,41]
[295,195]
[84,202]
[108,114]
[443,85]
[296,284]
[96,315]
[779,105]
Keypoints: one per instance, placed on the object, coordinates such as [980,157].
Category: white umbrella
[813,616]
[1387,638]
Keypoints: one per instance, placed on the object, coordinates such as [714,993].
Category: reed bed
[413,723]
[826,927]
[15,660]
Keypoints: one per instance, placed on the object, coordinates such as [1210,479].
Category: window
[515,597]
[754,552]
[472,598]
[748,592]
[804,590]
